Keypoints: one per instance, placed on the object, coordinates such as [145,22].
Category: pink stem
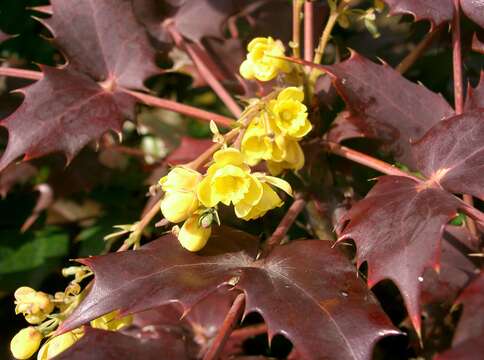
[205,71]
[21,73]
[231,320]
[308,30]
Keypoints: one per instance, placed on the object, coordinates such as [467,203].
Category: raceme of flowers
[36,307]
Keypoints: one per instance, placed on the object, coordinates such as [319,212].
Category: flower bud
[192,236]
[177,206]
[180,179]
[58,344]
[111,321]
[34,305]
[25,343]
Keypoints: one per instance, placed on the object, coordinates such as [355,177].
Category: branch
[308,30]
[365,160]
[205,71]
[418,51]
[231,320]
[145,98]
[296,27]
[286,222]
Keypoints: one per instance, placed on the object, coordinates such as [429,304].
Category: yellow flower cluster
[264,61]
[193,198]
[273,135]
[34,305]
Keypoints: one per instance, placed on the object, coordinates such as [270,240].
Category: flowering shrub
[269,210]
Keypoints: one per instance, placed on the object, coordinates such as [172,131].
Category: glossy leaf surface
[474,9]
[437,11]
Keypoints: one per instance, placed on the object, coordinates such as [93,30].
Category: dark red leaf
[475,96]
[188,150]
[347,126]
[437,11]
[388,106]
[452,154]
[307,275]
[477,44]
[111,345]
[474,9]
[101,38]
[471,349]
[15,174]
[397,229]
[62,112]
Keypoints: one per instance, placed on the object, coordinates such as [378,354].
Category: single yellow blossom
[192,235]
[293,157]
[58,344]
[180,200]
[268,201]
[264,61]
[289,114]
[25,343]
[111,321]
[34,305]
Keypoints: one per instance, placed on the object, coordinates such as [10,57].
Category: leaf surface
[474,9]
[386,105]
[475,96]
[437,11]
[452,154]
[294,277]
[397,229]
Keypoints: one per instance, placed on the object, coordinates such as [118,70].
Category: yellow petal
[279,183]
[192,236]
[25,343]
[204,192]
[230,156]
[177,206]
[180,179]
[291,93]
[268,201]
[246,69]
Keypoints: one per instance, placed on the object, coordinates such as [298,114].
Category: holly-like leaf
[307,275]
[15,174]
[107,52]
[452,154]
[397,229]
[386,105]
[99,344]
[437,11]
[474,9]
[475,96]
[346,126]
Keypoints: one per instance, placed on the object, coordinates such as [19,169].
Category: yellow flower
[229,181]
[290,114]
[34,305]
[263,60]
[256,145]
[58,344]
[25,343]
[293,157]
[192,235]
[180,200]
[111,321]
[268,201]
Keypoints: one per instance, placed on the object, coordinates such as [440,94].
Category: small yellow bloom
[293,157]
[111,321]
[192,235]
[268,201]
[229,181]
[256,144]
[180,200]
[58,344]
[34,305]
[25,343]
[263,60]
[290,114]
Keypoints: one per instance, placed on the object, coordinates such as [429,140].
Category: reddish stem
[145,98]
[249,331]
[233,317]
[422,46]
[366,160]
[285,224]
[205,71]
[308,30]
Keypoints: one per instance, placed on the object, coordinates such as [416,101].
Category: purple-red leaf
[307,275]
[397,229]
[437,11]
[474,9]
[452,154]
[188,150]
[62,112]
[475,96]
[111,345]
[387,106]
[15,174]
[101,38]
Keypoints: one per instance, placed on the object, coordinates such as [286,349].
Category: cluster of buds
[34,305]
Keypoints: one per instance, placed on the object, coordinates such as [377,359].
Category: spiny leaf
[397,228]
[474,9]
[303,274]
[386,105]
[107,51]
[15,174]
[452,154]
[437,11]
